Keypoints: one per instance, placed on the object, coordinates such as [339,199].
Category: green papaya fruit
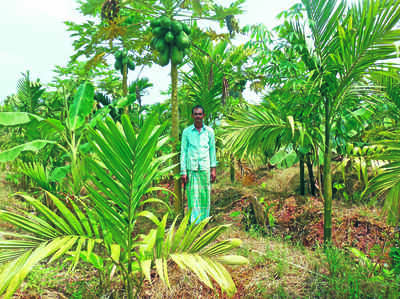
[155,23]
[161,45]
[165,22]
[169,37]
[176,27]
[118,55]
[129,20]
[176,55]
[153,42]
[125,60]
[118,65]
[186,28]
[164,57]
[131,65]
[157,31]
[182,40]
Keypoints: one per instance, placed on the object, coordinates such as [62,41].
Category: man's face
[198,115]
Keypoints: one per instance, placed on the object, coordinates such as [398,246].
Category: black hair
[198,107]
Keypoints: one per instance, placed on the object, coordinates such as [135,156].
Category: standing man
[198,162]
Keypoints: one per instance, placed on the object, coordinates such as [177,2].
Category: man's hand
[213,174]
[184,178]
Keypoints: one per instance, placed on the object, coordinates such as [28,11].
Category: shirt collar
[202,129]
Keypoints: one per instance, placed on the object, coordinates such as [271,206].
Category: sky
[34,38]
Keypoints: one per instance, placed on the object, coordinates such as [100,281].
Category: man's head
[198,114]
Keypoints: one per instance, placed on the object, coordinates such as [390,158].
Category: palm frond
[324,17]
[254,130]
[388,182]
[28,94]
[48,235]
[366,40]
[192,251]
[39,174]
[124,170]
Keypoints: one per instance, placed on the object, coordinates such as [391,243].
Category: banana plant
[68,137]
[123,169]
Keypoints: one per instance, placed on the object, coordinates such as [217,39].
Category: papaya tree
[171,31]
[124,24]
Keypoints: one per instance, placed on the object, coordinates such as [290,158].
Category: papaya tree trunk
[125,84]
[175,137]
[310,174]
[302,181]
[327,177]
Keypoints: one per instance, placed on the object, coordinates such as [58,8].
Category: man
[197,159]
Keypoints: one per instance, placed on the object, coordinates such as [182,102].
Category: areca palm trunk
[175,137]
[232,169]
[327,177]
[310,174]
[302,182]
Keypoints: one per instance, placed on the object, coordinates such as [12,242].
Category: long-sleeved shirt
[198,149]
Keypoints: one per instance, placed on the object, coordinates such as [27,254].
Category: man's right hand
[184,178]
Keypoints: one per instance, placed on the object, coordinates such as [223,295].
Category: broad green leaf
[55,124]
[12,153]
[59,173]
[115,252]
[93,259]
[81,106]
[17,118]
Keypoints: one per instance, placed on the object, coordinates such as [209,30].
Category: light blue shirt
[198,149]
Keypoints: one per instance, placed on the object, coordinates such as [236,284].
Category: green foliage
[257,131]
[395,255]
[67,137]
[124,169]
[388,182]
[81,106]
[29,95]
[356,280]
[10,119]
[13,153]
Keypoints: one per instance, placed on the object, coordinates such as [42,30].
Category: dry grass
[276,269]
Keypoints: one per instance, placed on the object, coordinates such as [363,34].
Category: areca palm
[347,44]
[123,170]
[212,77]
[29,94]
[255,131]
